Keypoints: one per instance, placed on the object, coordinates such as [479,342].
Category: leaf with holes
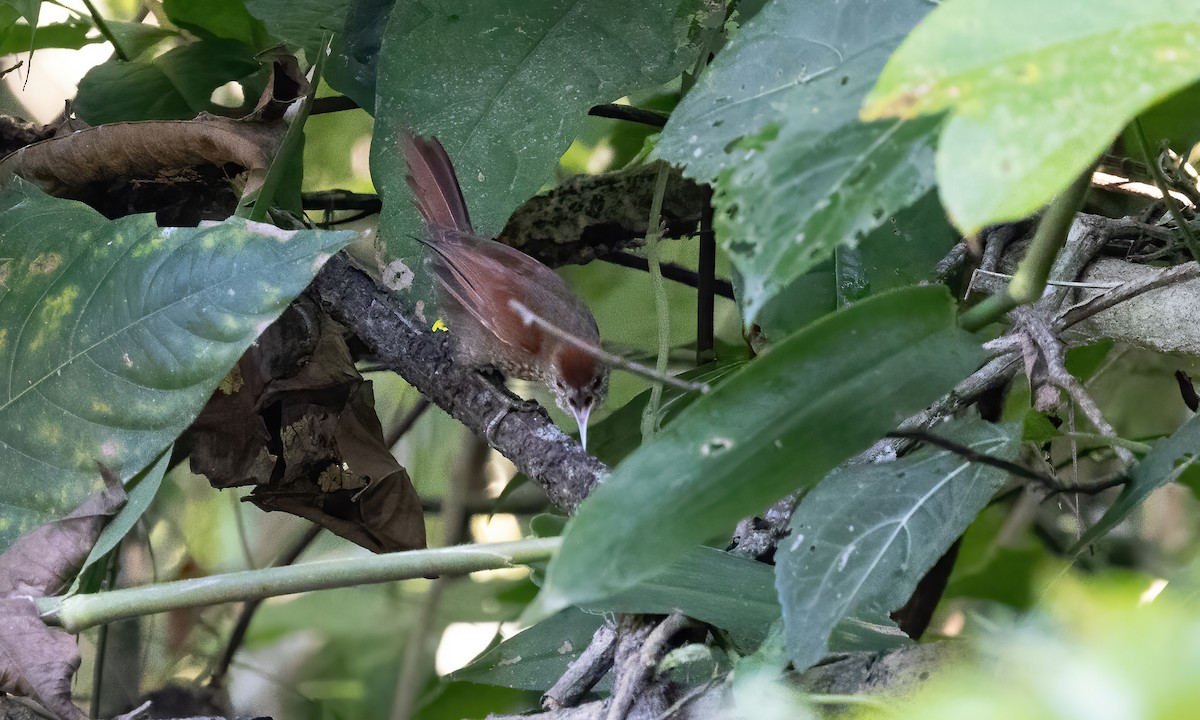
[789,205]
[864,537]
[803,66]
[113,334]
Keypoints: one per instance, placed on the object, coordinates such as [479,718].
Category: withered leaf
[145,149]
[45,561]
[37,660]
[300,425]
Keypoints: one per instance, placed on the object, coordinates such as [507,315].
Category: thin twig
[706,271]
[407,422]
[107,32]
[530,318]
[968,453]
[1108,181]
[613,111]
[332,104]
[418,648]
[1126,291]
[661,307]
[1160,180]
[585,671]
[670,271]
[250,607]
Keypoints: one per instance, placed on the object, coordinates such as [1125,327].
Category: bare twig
[634,670]
[629,113]
[671,271]
[1126,291]
[586,670]
[531,318]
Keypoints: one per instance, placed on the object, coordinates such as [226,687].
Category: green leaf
[352,65]
[176,85]
[506,86]
[217,19]
[864,537]
[733,593]
[113,335]
[300,23]
[72,34]
[1036,91]
[1173,120]
[536,657]
[136,38]
[1169,459]
[793,201]
[140,491]
[801,67]
[779,424]
[28,9]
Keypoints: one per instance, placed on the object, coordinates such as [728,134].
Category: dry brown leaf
[145,149]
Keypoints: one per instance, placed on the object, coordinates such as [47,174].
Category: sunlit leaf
[1036,91]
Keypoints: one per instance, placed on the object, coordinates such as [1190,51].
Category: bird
[488,292]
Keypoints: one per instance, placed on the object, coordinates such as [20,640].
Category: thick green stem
[79,612]
[1029,281]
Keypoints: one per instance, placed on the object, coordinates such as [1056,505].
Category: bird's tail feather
[435,188]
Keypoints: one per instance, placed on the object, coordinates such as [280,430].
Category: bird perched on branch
[505,309]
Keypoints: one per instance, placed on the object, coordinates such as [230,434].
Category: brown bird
[484,285]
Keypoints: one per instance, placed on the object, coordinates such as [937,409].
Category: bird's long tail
[434,185]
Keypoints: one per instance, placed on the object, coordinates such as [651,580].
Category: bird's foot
[511,404]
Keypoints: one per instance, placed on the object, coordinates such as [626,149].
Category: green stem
[79,612]
[1160,180]
[653,234]
[257,207]
[1108,441]
[1029,281]
[105,30]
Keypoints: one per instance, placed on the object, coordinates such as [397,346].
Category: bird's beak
[581,417]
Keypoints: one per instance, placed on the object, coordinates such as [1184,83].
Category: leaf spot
[715,445]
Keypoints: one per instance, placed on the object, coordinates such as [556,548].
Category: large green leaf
[802,67]
[813,178]
[779,424]
[505,86]
[1036,91]
[301,23]
[864,537]
[353,64]
[173,86]
[788,206]
[730,592]
[1164,464]
[113,334]
[19,37]
[227,19]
